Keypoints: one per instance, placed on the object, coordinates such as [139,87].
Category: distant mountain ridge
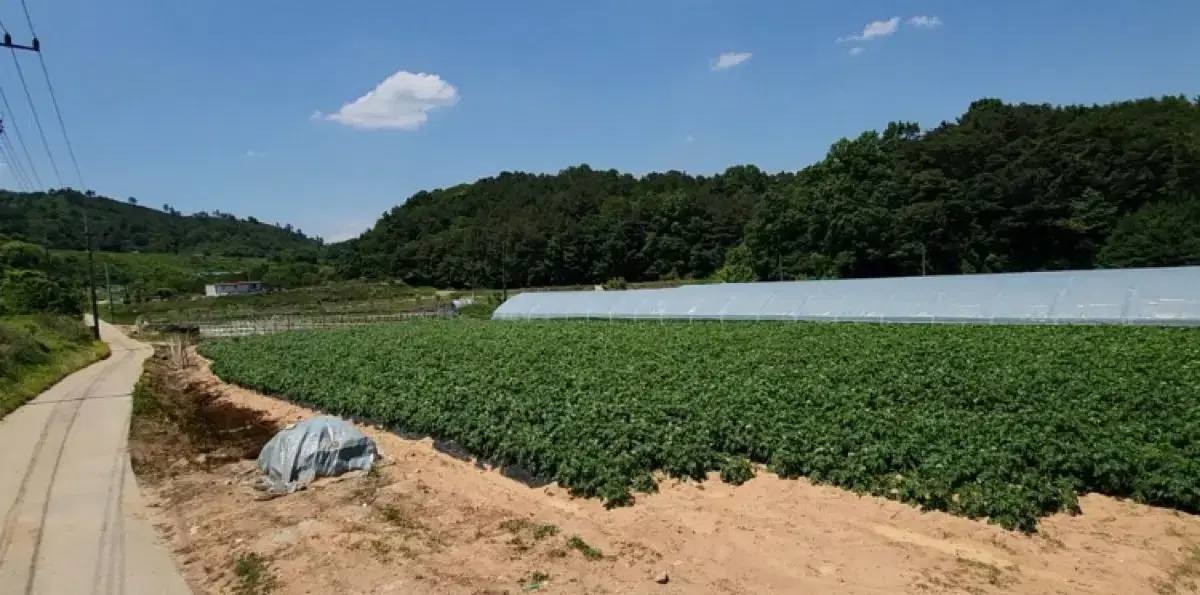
[54,219]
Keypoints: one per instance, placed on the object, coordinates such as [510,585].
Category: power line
[12,119]
[11,161]
[87,234]
[15,162]
[17,175]
[36,120]
[53,97]
[7,161]
[21,141]
[25,9]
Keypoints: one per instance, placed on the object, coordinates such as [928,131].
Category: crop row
[1008,423]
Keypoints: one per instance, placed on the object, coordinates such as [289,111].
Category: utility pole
[36,46]
[504,265]
[108,290]
[87,238]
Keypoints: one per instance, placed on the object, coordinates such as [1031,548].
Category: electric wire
[12,159]
[54,98]
[13,165]
[11,122]
[36,119]
[7,161]
[86,233]
[16,161]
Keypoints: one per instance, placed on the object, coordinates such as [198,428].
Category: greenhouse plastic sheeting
[1162,296]
[322,446]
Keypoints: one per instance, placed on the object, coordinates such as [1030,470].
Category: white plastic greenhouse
[1160,296]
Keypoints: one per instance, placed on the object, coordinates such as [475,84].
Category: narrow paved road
[73,519]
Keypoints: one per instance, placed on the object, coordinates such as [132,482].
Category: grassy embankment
[38,351]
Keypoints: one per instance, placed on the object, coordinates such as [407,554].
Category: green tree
[738,268]
[1004,187]
[1158,234]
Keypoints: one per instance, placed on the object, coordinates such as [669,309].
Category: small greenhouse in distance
[1157,296]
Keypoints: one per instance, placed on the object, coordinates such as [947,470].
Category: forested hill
[1004,188]
[54,220]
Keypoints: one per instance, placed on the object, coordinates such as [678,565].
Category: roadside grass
[36,352]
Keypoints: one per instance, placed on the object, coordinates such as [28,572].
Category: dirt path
[429,523]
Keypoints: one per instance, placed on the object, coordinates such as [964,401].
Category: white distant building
[238,288]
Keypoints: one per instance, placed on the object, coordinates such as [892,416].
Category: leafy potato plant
[1005,422]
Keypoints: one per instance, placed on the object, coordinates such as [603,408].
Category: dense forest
[54,220]
[1003,188]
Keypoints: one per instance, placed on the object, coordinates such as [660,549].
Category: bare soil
[425,522]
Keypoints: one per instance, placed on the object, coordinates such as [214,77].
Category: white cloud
[689,138]
[925,22]
[401,102]
[253,154]
[874,30]
[730,59]
[855,51]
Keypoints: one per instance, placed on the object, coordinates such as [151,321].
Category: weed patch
[582,547]
[254,575]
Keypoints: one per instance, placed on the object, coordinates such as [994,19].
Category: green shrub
[615,284]
[18,349]
[27,292]
[736,470]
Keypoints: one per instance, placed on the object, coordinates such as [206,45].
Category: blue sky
[238,106]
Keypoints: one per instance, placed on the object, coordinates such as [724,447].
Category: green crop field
[1009,423]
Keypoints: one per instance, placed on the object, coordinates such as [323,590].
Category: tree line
[175,253]
[1005,187]
[54,219]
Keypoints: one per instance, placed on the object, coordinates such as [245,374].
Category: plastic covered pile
[323,446]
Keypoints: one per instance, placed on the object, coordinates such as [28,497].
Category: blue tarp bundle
[323,446]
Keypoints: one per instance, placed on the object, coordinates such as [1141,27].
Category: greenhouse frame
[1149,296]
